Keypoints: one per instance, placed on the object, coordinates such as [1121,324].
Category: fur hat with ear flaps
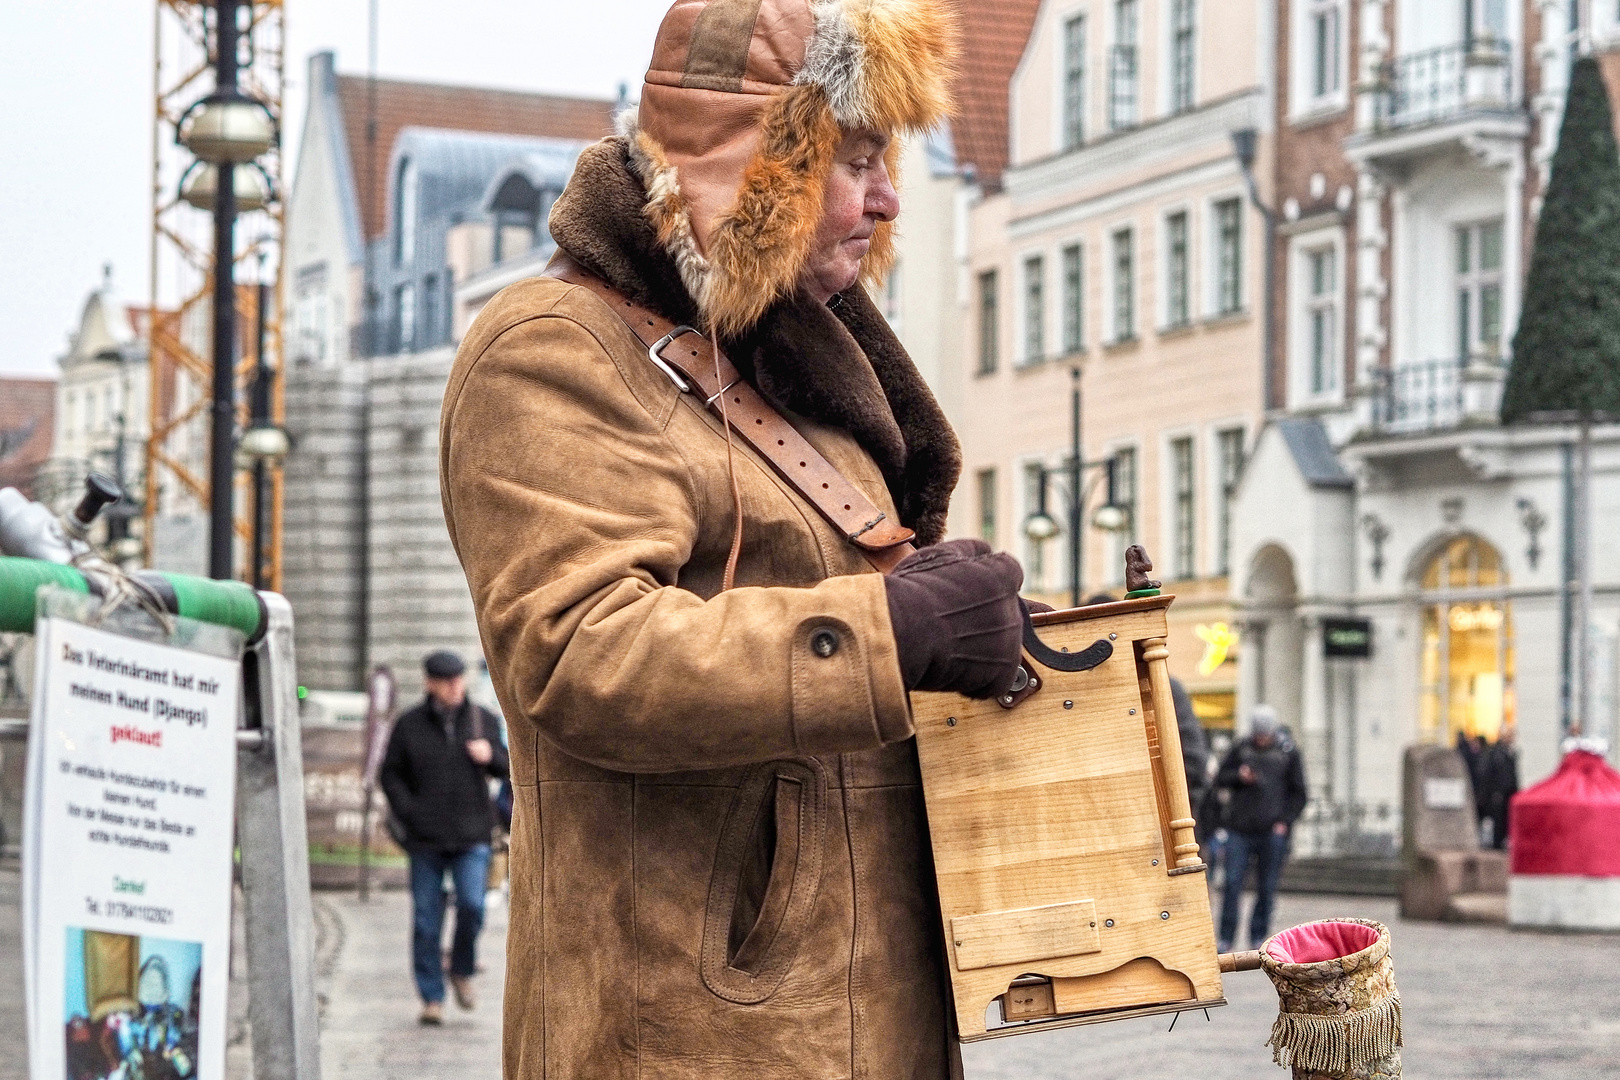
[744,105]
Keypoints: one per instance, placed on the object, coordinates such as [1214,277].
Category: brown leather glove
[957,622]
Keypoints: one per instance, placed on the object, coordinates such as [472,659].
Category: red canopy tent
[1569,824]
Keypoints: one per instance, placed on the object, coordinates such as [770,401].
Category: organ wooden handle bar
[1184,850]
[1239,961]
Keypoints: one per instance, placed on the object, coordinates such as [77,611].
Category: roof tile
[995,33]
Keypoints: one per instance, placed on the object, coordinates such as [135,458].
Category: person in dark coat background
[436,775]
[1266,777]
[1497,781]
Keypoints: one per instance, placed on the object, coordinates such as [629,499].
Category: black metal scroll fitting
[1091,656]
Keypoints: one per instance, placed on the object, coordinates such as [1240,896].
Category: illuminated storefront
[1467,664]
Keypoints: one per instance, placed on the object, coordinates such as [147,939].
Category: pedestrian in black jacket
[1266,779]
[436,775]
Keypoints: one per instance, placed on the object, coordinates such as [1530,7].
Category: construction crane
[178,319]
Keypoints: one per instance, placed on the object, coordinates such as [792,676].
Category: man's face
[859,194]
[1263,739]
[448,692]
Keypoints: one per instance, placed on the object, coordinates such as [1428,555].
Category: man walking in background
[436,775]
[1266,777]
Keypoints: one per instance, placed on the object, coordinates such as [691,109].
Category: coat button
[824,642]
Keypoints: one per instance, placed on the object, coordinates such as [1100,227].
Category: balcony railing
[1437,84]
[1437,395]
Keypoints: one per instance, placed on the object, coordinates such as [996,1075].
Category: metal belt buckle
[663,365]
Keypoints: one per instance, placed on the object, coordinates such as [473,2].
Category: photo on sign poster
[131,1006]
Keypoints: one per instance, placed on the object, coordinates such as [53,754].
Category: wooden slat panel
[1017,937]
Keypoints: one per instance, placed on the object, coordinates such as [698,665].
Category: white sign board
[1445,793]
[127,856]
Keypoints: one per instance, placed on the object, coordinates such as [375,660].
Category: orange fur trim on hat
[760,246]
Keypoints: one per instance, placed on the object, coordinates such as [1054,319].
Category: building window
[987,506]
[431,335]
[1074,82]
[1229,445]
[1123,69]
[405,212]
[1034,309]
[1074,325]
[989,331]
[1124,285]
[1183,55]
[1479,289]
[69,414]
[405,307]
[1183,563]
[1123,489]
[1177,271]
[1229,256]
[1034,498]
[1322,319]
[1323,24]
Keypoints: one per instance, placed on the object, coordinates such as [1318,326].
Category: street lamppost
[263,443]
[224,130]
[1040,526]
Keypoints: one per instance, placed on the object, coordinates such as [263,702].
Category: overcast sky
[76,133]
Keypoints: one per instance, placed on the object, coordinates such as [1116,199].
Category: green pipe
[224,603]
[20,579]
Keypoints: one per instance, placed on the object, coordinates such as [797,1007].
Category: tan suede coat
[719,856]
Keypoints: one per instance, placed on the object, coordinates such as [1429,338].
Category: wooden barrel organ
[1070,883]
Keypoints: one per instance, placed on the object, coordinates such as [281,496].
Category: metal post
[274,839]
[1077,508]
[222,436]
[261,417]
[1583,577]
[1566,696]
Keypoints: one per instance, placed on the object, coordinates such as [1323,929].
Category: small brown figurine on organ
[1137,566]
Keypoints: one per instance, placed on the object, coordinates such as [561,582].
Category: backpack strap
[691,362]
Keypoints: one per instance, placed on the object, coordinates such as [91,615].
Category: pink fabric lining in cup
[1318,941]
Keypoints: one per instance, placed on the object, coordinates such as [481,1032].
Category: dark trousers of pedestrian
[1271,851]
[468,871]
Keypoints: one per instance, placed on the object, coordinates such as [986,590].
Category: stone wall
[323,524]
[419,598]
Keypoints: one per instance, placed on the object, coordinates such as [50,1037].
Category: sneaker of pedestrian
[464,991]
[432,1014]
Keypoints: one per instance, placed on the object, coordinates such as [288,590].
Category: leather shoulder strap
[690,361]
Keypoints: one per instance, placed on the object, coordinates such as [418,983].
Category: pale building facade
[1390,492]
[102,412]
[1123,247]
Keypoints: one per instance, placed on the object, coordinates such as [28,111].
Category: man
[1266,779]
[436,775]
[1497,784]
[719,857]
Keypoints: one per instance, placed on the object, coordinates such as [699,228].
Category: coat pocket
[766,875]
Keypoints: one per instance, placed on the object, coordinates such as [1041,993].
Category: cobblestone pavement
[1481,1002]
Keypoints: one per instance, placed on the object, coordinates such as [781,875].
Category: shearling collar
[839,365]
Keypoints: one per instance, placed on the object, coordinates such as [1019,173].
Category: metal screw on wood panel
[1108,922]
[1007,699]
[950,721]
[1068,704]
[1093,922]
[1133,712]
[1164,914]
[1113,637]
[1155,862]
[1034,683]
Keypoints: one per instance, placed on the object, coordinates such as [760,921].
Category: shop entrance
[1467,643]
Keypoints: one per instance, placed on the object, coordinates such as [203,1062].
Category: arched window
[405,212]
[1468,662]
